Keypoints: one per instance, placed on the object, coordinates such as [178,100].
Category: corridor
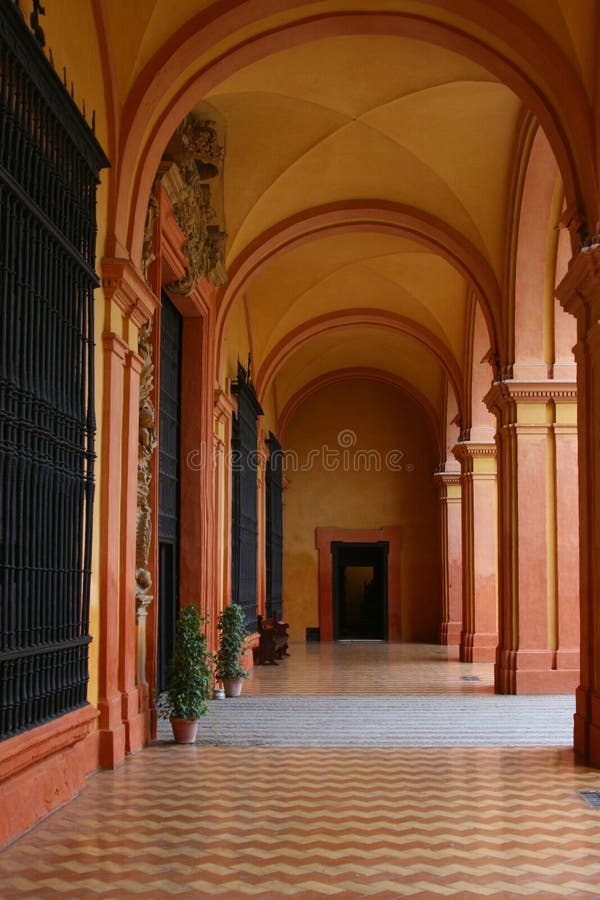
[316,821]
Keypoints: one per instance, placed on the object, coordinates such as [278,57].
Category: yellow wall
[385,421]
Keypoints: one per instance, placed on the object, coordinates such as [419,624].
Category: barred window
[244,465]
[49,164]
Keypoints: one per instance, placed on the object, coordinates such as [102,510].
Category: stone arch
[378,216]
[355,318]
[567,119]
[535,322]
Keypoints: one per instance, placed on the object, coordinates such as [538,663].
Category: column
[479,636]
[579,294]
[134,720]
[451,521]
[533,617]
[112,730]
[122,701]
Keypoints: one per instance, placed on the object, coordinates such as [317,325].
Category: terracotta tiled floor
[316,822]
[371,668]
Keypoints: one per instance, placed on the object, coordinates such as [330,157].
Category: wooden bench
[273,640]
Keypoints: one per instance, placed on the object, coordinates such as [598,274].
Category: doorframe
[377,548]
[324,537]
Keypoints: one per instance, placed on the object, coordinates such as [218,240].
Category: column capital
[449,485]
[505,393]
[473,449]
[224,404]
[124,284]
[524,403]
[579,291]
[476,457]
[112,343]
[447,477]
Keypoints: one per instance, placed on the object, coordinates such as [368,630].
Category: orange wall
[385,421]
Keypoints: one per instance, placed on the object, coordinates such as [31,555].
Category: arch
[482,423]
[451,428]
[357,373]
[356,318]
[379,216]
[572,144]
[533,345]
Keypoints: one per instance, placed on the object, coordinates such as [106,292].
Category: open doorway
[360,588]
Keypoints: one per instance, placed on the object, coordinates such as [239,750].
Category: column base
[587,726]
[112,734]
[536,672]
[478,647]
[134,720]
[112,746]
[450,633]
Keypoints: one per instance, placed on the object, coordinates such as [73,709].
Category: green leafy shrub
[232,643]
[189,673]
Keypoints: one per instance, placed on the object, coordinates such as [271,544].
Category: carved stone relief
[148,254]
[146,445]
[193,157]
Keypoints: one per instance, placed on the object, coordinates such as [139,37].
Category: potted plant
[232,643]
[189,676]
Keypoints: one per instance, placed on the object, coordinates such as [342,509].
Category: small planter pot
[233,686]
[184,730]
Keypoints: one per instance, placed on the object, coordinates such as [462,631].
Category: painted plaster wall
[330,484]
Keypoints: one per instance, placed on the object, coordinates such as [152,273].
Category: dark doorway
[360,591]
[171,331]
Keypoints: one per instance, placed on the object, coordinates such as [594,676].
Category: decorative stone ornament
[146,444]
[192,158]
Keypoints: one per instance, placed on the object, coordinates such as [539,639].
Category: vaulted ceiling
[368,170]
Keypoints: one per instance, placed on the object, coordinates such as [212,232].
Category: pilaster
[579,294]
[133,718]
[538,649]
[123,718]
[479,636]
[112,730]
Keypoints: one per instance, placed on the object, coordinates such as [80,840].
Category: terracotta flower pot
[184,730]
[233,686]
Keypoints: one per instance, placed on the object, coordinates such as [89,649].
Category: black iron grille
[49,163]
[171,349]
[274,530]
[244,475]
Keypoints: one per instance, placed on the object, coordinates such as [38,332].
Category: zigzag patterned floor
[235,822]
[310,822]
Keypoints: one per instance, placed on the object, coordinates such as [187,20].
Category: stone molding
[447,477]
[224,405]
[504,393]
[112,343]
[580,288]
[465,450]
[449,486]
[125,286]
[47,739]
